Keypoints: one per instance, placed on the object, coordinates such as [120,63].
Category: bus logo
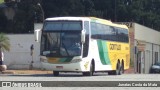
[115,47]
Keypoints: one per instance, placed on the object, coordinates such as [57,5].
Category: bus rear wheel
[118,70]
[55,73]
[122,68]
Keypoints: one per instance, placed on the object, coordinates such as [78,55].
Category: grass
[1,1]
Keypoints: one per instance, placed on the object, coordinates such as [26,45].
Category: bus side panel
[107,57]
[107,54]
[98,51]
[118,51]
[103,52]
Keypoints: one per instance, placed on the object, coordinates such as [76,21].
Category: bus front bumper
[70,67]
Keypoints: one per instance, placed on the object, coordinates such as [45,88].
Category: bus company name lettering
[115,47]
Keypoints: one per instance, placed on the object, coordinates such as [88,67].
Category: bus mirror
[37,35]
[83,36]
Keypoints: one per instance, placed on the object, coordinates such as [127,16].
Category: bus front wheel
[90,73]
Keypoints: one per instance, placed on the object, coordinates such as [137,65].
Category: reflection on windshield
[70,45]
[62,25]
[61,44]
[50,41]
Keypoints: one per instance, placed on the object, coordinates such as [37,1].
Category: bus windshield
[61,44]
[62,25]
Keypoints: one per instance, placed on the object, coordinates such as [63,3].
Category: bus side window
[93,31]
[100,31]
[113,34]
[122,35]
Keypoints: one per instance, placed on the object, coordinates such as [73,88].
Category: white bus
[84,44]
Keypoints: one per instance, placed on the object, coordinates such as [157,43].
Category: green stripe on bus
[103,52]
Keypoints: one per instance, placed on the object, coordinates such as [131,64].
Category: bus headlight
[43,59]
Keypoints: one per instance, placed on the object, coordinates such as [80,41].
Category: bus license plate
[59,67]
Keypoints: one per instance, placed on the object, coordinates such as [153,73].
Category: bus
[83,44]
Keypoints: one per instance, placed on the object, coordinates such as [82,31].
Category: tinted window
[123,35]
[105,32]
[62,25]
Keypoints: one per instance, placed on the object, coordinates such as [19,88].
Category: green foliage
[4,42]
[146,12]
[1,1]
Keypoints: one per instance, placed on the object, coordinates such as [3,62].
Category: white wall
[148,56]
[151,39]
[146,34]
[19,56]
[38,25]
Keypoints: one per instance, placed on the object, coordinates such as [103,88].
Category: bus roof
[107,22]
[92,19]
[67,18]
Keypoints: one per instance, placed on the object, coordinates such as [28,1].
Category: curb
[7,72]
[26,72]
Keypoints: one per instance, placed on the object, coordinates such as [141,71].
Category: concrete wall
[151,40]
[146,34]
[19,56]
[38,26]
[149,55]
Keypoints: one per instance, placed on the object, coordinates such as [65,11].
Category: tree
[145,12]
[4,43]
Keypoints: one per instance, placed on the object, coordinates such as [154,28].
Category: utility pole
[41,11]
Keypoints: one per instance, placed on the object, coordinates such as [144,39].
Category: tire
[55,73]
[118,70]
[122,66]
[90,73]
[121,69]
[111,72]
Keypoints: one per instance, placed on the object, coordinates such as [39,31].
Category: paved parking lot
[47,76]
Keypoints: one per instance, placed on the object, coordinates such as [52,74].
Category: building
[145,46]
